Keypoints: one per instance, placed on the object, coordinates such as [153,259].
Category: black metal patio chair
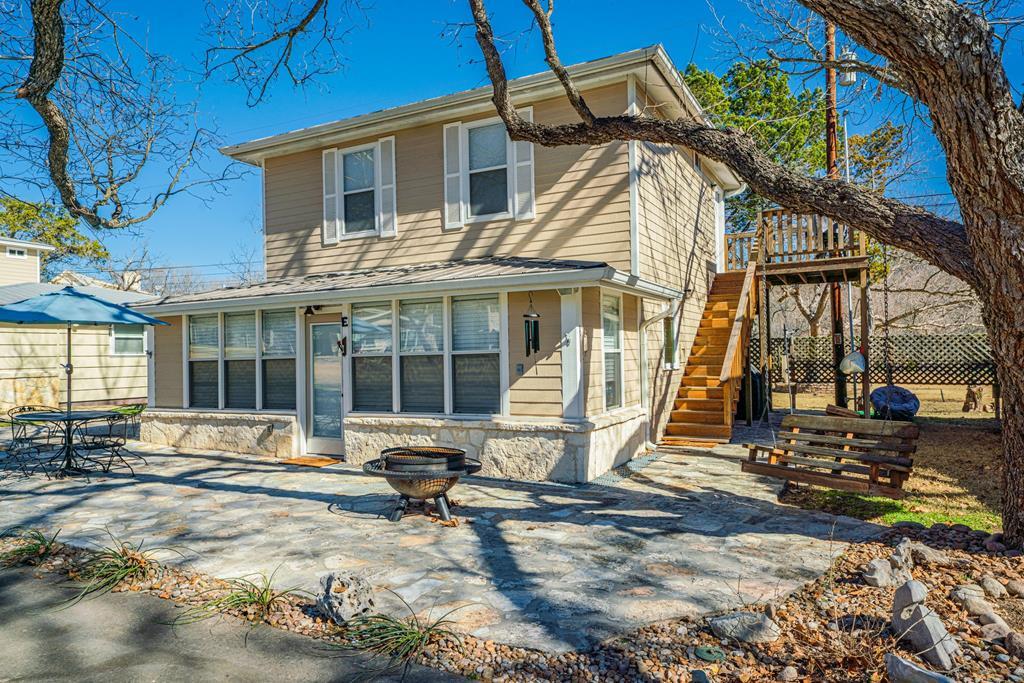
[105,444]
[42,435]
[18,455]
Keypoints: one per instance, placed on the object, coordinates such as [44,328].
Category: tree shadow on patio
[551,565]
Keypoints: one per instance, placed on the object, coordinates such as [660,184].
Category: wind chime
[531,325]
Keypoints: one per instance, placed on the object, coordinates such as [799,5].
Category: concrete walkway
[124,637]
[540,565]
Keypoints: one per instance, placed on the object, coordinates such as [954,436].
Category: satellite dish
[853,363]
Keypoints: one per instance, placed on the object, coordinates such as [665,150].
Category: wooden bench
[852,454]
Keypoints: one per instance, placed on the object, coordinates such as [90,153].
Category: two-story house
[110,361]
[431,281]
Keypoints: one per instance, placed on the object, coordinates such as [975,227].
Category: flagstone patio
[539,565]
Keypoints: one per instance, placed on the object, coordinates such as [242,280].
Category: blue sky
[399,56]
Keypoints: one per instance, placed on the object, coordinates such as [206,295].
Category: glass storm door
[325,389]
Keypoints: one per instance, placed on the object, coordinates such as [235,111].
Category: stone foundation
[509,449]
[554,451]
[268,434]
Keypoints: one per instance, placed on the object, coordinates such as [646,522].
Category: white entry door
[324,428]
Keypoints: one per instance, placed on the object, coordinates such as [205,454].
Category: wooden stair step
[699,393]
[708,417]
[700,381]
[692,441]
[696,429]
[703,370]
[698,404]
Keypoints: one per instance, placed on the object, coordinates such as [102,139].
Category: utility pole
[832,163]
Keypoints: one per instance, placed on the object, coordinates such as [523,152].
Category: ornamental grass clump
[253,597]
[400,640]
[31,547]
[121,562]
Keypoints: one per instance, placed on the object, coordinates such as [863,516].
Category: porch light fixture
[531,324]
[311,310]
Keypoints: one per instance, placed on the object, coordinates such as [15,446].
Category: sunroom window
[611,326]
[278,360]
[421,351]
[203,344]
[240,360]
[475,355]
[372,357]
[488,170]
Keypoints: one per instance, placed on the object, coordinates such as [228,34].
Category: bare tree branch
[938,240]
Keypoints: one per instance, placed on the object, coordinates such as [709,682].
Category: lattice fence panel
[916,359]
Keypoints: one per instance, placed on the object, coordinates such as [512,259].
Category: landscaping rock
[993,587]
[995,631]
[1015,587]
[1014,643]
[902,671]
[966,590]
[921,554]
[788,674]
[882,573]
[991,618]
[921,627]
[976,606]
[746,627]
[343,597]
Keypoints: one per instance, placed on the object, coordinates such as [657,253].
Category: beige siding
[167,362]
[15,271]
[30,367]
[537,390]
[676,212]
[630,350]
[592,363]
[582,198]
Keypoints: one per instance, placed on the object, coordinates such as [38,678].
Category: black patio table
[68,421]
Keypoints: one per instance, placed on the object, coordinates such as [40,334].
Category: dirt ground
[957,468]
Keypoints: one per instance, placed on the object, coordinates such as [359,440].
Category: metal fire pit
[422,472]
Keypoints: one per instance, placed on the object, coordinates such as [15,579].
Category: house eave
[604,277]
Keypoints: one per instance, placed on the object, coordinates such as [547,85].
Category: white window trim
[112,335]
[509,166]
[339,192]
[17,252]
[621,351]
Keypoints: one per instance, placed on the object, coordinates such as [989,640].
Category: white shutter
[453,213]
[387,218]
[330,227]
[524,193]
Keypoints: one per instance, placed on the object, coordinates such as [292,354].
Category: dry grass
[957,468]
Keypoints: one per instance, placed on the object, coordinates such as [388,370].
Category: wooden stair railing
[736,352]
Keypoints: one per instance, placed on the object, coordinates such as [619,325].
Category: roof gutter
[604,276]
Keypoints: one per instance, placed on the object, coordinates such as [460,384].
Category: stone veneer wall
[539,451]
[268,434]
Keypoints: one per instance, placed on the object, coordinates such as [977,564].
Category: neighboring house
[109,361]
[431,281]
[21,260]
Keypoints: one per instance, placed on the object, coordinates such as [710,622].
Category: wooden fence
[916,359]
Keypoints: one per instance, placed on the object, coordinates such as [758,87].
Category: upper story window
[487,151]
[359,191]
[17,252]
[487,176]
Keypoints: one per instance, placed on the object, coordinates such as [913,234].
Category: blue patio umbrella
[70,306]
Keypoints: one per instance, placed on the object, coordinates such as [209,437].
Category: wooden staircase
[706,400]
